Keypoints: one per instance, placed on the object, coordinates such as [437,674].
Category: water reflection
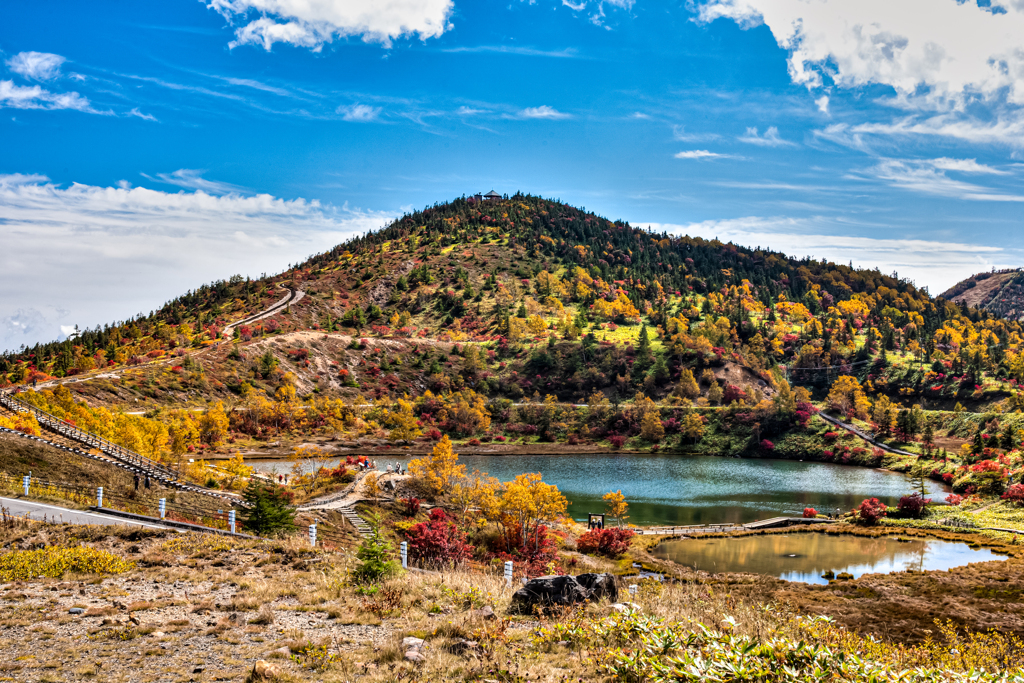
[804,557]
[673,489]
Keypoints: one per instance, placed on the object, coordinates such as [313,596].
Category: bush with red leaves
[870,511]
[473,442]
[733,393]
[767,445]
[810,513]
[608,542]
[434,434]
[412,506]
[437,542]
[954,499]
[617,441]
[1015,494]
[913,504]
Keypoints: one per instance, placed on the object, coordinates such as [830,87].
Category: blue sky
[151,147]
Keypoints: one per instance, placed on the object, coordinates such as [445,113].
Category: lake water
[679,490]
[804,557]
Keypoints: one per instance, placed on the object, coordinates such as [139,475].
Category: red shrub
[434,434]
[954,499]
[913,504]
[733,393]
[871,510]
[607,542]
[810,513]
[1015,494]
[473,442]
[437,542]
[767,445]
[412,506]
[617,441]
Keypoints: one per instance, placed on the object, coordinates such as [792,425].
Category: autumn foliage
[607,542]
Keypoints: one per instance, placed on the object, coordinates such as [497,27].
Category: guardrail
[62,427]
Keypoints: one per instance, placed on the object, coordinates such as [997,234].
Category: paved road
[38,511]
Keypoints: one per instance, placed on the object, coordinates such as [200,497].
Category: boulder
[600,586]
[265,671]
[410,643]
[486,613]
[549,591]
[622,607]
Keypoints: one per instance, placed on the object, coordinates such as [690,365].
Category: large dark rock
[549,591]
[600,586]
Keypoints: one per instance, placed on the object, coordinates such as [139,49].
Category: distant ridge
[999,292]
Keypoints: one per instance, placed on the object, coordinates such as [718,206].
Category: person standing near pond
[136,481]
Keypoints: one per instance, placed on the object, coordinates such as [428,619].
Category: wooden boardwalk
[699,529]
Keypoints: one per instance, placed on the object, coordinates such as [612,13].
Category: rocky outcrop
[552,591]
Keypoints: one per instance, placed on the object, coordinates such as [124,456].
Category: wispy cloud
[770,138]
[36,66]
[163,243]
[255,85]
[566,53]
[679,133]
[701,154]
[469,111]
[542,112]
[929,177]
[966,166]
[192,179]
[36,97]
[135,112]
[358,112]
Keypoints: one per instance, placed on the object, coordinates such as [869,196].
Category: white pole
[163,507]
[508,572]
[25,482]
[312,535]
[405,555]
[632,590]
[99,497]
[231,520]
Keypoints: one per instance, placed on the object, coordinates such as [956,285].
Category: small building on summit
[490,196]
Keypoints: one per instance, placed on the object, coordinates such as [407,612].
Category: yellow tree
[237,469]
[650,427]
[688,384]
[213,425]
[616,506]
[692,426]
[883,414]
[441,471]
[308,466]
[525,505]
[404,426]
[847,397]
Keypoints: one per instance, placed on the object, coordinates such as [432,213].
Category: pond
[680,490]
[804,557]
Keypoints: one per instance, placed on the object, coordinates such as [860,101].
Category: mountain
[1000,292]
[520,296]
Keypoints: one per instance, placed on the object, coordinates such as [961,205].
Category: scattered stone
[622,607]
[410,643]
[265,671]
[486,613]
[76,610]
[157,634]
[197,670]
[280,652]
[414,656]
[463,647]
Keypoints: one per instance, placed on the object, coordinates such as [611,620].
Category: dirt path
[867,437]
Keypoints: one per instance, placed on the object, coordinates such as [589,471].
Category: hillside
[523,322]
[1001,293]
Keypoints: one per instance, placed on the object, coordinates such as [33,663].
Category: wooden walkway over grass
[699,529]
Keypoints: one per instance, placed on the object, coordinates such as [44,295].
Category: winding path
[294,296]
[864,435]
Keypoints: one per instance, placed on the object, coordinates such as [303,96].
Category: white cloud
[37,66]
[929,177]
[679,133]
[965,166]
[822,103]
[358,112]
[543,112]
[700,154]
[312,23]
[129,250]
[146,117]
[192,179]
[469,111]
[937,265]
[770,138]
[947,51]
[35,97]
